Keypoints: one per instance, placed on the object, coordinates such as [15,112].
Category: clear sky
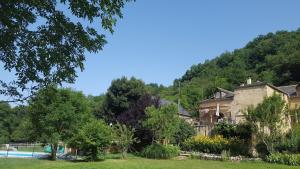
[158,40]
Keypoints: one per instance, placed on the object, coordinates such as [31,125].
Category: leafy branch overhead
[41,45]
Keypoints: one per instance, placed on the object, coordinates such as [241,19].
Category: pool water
[18,154]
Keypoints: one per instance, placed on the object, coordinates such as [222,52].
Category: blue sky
[158,40]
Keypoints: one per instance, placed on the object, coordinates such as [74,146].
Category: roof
[182,111]
[225,95]
[262,84]
[227,92]
[290,89]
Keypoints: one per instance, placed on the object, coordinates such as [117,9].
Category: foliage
[185,131]
[295,137]
[5,122]
[163,122]
[227,130]
[136,112]
[158,151]
[96,104]
[122,94]
[295,114]
[242,130]
[283,158]
[125,102]
[13,122]
[93,138]
[291,141]
[56,114]
[205,144]
[266,119]
[42,45]
[124,137]
[239,146]
[272,58]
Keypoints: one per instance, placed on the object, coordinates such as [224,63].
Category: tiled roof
[290,90]
[227,92]
[182,111]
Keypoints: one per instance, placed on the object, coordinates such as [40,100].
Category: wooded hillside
[273,58]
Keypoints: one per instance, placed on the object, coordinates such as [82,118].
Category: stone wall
[245,97]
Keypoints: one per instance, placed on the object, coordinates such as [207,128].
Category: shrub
[262,150]
[206,144]
[281,158]
[239,147]
[290,142]
[242,131]
[158,151]
[225,129]
[184,132]
[93,139]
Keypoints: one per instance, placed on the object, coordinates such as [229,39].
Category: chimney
[249,81]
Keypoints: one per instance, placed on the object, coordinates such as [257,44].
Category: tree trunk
[53,151]
[253,151]
[124,153]
[94,155]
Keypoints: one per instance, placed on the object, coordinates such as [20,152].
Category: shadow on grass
[110,156]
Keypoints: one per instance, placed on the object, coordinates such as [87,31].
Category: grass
[134,163]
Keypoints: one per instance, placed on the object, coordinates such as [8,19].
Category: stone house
[230,106]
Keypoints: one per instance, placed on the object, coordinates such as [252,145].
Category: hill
[273,58]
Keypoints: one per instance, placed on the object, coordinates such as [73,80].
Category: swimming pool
[18,154]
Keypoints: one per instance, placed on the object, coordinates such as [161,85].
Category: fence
[22,147]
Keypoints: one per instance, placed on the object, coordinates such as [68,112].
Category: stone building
[230,106]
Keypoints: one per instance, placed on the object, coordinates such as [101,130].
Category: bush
[94,138]
[184,132]
[158,151]
[291,143]
[227,130]
[262,150]
[281,158]
[206,144]
[239,147]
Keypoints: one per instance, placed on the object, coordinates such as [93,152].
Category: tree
[93,138]
[125,137]
[12,123]
[272,58]
[42,45]
[122,94]
[185,131]
[56,114]
[134,117]
[163,122]
[267,119]
[5,111]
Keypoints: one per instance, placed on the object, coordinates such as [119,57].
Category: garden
[148,133]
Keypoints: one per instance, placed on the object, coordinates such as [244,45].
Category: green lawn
[135,163]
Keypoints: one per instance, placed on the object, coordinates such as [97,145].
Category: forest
[273,58]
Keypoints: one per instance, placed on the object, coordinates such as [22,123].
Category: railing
[28,147]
